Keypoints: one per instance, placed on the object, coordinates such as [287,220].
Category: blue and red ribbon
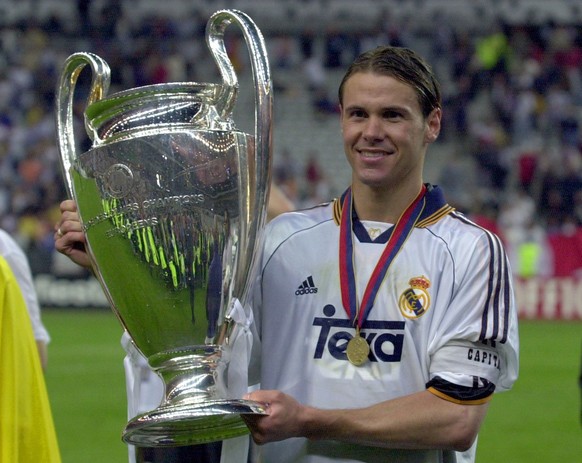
[398,236]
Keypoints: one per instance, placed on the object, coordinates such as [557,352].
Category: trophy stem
[190,374]
[193,410]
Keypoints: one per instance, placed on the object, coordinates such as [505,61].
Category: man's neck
[383,205]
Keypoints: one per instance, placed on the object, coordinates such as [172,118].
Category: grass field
[538,421]
[86,385]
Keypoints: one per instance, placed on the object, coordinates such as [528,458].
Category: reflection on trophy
[172,198]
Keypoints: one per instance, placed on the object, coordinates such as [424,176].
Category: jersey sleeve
[474,350]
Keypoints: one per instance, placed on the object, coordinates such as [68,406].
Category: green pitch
[86,384]
[539,420]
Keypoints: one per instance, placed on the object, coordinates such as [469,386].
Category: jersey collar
[435,209]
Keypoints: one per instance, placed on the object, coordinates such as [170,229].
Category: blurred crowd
[515,108]
[512,105]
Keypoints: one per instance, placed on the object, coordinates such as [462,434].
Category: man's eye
[392,114]
[358,113]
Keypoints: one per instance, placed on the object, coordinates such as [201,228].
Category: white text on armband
[481,356]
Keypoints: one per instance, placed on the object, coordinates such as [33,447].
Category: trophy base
[190,424]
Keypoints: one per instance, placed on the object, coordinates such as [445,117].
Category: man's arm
[278,202]
[42,353]
[417,421]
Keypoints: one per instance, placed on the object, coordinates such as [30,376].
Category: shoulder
[301,219]
[474,252]
[457,230]
[468,246]
[448,226]
[298,222]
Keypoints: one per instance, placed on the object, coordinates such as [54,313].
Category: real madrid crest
[415,301]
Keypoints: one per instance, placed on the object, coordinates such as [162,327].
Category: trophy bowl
[172,198]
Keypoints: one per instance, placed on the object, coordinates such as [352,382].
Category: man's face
[385,134]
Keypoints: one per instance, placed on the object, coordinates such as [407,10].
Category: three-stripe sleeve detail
[495,311]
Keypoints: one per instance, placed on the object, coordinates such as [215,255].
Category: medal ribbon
[398,235]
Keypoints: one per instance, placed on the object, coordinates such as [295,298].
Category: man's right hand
[69,236]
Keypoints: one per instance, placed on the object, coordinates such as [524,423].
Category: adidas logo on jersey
[307,287]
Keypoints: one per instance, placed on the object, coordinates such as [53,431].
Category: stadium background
[510,154]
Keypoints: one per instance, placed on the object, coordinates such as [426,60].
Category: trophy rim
[176,87]
[203,92]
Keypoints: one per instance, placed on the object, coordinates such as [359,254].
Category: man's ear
[433,125]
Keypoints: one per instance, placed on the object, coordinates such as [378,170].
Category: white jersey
[444,312]
[19,265]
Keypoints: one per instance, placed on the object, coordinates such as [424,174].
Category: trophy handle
[64,105]
[256,211]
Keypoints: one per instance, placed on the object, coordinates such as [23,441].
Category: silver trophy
[172,198]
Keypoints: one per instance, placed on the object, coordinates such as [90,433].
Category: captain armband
[480,392]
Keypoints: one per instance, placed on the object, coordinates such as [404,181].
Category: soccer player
[386,319]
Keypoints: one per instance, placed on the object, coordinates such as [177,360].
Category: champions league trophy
[172,198]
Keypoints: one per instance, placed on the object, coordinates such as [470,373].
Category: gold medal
[357,350]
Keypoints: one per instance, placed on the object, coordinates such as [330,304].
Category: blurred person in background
[27,432]
[16,258]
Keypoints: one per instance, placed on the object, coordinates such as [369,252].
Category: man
[386,319]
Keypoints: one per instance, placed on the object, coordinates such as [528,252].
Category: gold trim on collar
[430,220]
[337,211]
[435,216]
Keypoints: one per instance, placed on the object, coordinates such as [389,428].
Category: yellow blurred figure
[27,432]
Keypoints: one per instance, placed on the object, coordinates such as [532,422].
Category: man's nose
[373,129]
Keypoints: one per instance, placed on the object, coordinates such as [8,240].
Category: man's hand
[284,417]
[69,236]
